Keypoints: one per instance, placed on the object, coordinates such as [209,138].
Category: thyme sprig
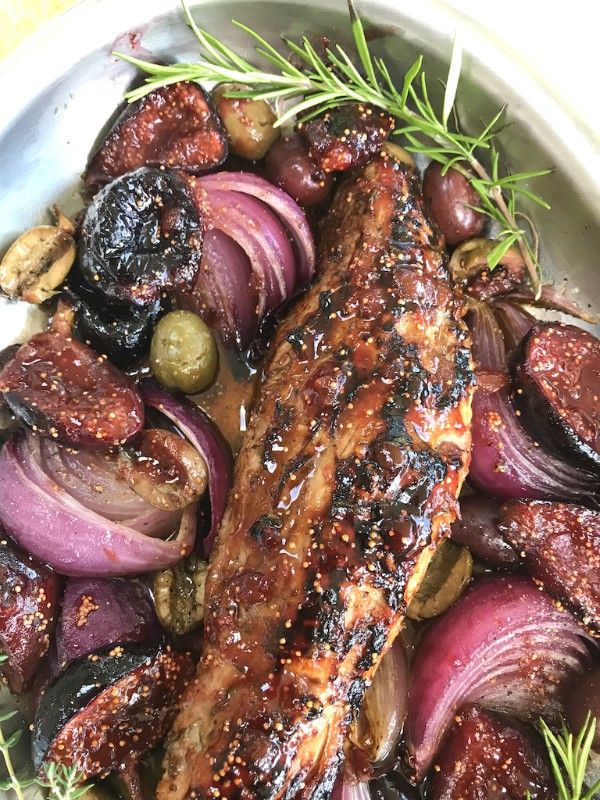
[323,82]
[569,756]
[60,782]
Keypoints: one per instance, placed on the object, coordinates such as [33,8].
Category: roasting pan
[61,87]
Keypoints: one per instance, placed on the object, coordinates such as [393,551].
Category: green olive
[249,123]
[183,353]
[447,576]
[179,595]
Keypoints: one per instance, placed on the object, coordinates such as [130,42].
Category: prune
[561,546]
[173,127]
[448,198]
[558,375]
[29,594]
[249,123]
[164,469]
[478,530]
[291,167]
[107,710]
[63,389]
[141,236]
[487,756]
[584,699]
[121,331]
[347,137]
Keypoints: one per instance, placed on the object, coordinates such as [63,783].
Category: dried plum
[121,331]
[63,389]
[174,127]
[29,594]
[487,756]
[141,236]
[347,137]
[561,546]
[558,374]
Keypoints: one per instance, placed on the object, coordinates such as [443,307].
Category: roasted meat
[348,477]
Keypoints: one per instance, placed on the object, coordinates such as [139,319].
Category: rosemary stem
[16,787]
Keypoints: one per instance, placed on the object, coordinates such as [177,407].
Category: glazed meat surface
[356,450]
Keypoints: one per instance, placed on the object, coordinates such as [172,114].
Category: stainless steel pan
[59,90]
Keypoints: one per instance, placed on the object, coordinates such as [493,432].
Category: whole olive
[183,353]
[249,123]
[448,198]
[584,697]
[291,167]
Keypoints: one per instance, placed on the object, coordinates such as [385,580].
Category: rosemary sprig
[569,756]
[326,82]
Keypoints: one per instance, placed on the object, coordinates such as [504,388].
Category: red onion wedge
[506,461]
[258,252]
[288,211]
[201,431]
[515,323]
[250,223]
[97,613]
[379,724]
[224,293]
[504,645]
[60,531]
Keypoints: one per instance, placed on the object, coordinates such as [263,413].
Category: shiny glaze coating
[174,127]
[29,597]
[347,137]
[488,756]
[561,547]
[106,711]
[559,376]
[141,236]
[348,476]
[62,389]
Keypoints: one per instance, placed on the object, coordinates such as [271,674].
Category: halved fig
[61,388]
[106,711]
[488,756]
[164,469]
[141,236]
[37,263]
[347,137]
[561,546]
[29,595]
[558,374]
[99,612]
[173,127]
